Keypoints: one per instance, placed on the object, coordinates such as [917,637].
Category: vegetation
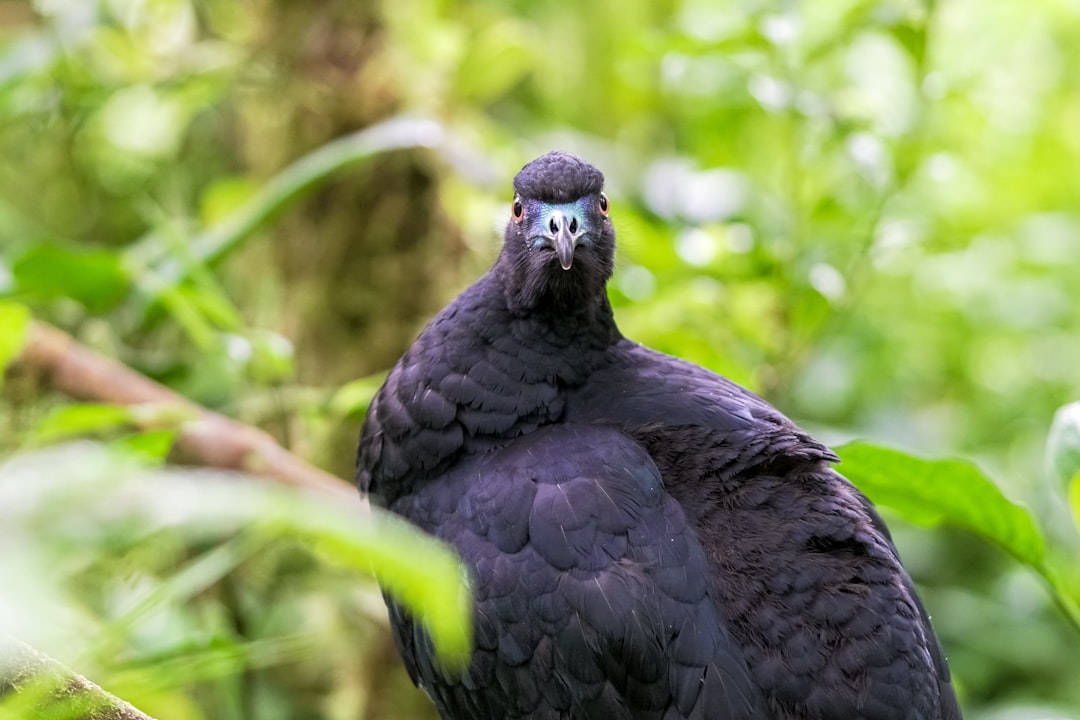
[864,210]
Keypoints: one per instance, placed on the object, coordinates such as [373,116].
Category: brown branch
[34,682]
[210,439]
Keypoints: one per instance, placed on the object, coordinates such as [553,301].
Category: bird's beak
[564,242]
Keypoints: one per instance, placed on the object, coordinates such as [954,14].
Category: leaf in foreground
[79,494]
[932,492]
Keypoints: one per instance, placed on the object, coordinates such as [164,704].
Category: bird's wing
[805,563]
[591,590]
[950,708]
[640,387]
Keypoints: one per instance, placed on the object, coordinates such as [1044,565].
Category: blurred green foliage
[864,210]
[129,571]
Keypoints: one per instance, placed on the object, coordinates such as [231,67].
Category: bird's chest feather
[477,378]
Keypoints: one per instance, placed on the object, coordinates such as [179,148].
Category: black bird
[645,538]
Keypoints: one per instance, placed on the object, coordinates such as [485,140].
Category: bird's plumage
[645,538]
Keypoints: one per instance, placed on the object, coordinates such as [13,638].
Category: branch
[35,683]
[211,439]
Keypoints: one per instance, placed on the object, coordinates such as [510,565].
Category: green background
[865,211]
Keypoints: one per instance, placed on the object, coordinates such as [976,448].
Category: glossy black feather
[645,538]
[591,590]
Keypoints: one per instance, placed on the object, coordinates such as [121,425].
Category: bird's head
[560,243]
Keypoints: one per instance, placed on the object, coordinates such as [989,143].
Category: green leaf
[152,447]
[932,492]
[81,419]
[353,398]
[95,279]
[1063,444]
[14,324]
[420,572]
[159,421]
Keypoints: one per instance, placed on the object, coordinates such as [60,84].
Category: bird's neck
[561,321]
[569,305]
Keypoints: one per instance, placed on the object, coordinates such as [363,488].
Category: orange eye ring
[603,204]
[518,211]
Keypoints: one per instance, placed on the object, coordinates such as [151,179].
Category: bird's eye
[603,204]
[518,210]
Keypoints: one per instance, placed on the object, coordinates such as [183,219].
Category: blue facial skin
[561,227]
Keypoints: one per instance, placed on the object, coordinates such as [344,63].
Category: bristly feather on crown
[558,177]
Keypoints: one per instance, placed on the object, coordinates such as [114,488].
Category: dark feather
[646,539]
